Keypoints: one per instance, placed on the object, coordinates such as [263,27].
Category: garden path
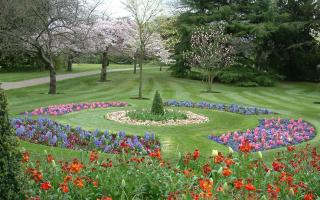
[43,80]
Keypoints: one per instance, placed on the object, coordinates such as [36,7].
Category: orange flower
[196,154]
[64,187]
[50,158]
[76,166]
[226,171]
[94,156]
[250,187]
[228,162]
[156,154]
[245,146]
[206,185]
[25,156]
[45,186]
[78,182]
[238,184]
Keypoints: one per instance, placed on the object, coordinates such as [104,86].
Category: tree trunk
[53,81]
[135,65]
[140,78]
[160,67]
[70,59]
[105,63]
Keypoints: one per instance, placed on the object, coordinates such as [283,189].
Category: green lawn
[290,99]
[19,76]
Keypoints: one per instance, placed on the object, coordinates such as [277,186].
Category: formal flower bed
[47,132]
[269,134]
[124,118]
[62,109]
[293,174]
[234,108]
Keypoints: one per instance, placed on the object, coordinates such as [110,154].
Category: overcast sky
[116,9]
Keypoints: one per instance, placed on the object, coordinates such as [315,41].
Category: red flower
[45,186]
[196,154]
[308,196]
[64,187]
[50,158]
[93,156]
[95,184]
[291,148]
[105,198]
[25,156]
[219,158]
[206,169]
[67,179]
[226,171]
[273,191]
[238,184]
[278,166]
[250,187]
[245,146]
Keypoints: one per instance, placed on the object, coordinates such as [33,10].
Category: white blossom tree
[43,27]
[211,51]
[143,12]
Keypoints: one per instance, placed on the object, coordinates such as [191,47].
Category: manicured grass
[19,76]
[291,100]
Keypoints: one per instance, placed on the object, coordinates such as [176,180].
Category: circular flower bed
[47,132]
[62,109]
[122,117]
[234,108]
[269,134]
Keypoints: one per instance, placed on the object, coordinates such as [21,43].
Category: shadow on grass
[212,92]
[137,98]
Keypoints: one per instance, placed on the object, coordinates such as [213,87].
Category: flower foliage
[292,174]
[234,108]
[73,107]
[48,132]
[269,134]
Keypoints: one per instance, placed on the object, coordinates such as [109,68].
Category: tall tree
[143,12]
[42,25]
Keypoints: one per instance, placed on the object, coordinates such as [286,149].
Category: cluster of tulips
[62,109]
[293,174]
[48,132]
[269,134]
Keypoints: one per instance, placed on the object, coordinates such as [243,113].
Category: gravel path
[43,80]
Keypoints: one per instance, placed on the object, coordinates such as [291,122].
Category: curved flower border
[234,108]
[269,134]
[63,109]
[121,117]
[48,132]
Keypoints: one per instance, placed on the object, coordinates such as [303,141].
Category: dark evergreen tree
[9,156]
[157,105]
